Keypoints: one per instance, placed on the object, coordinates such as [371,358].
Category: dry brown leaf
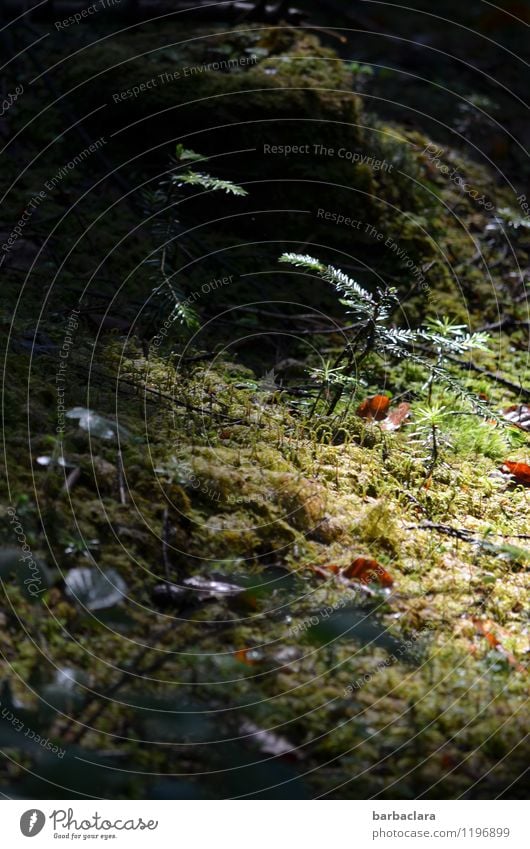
[396,417]
[366,570]
[492,633]
[374,408]
[520,471]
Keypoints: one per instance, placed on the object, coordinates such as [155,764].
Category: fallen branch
[518,389]
[457,533]
[163,396]
[464,535]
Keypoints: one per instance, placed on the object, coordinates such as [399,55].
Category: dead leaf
[367,570]
[492,633]
[520,471]
[396,417]
[374,408]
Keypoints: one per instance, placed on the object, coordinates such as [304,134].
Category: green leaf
[185,155]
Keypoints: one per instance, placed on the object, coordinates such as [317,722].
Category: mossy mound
[264,505]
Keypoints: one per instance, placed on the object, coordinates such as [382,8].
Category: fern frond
[355,297]
[303,261]
[213,184]
[480,407]
[438,337]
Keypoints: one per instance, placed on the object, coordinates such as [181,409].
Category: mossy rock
[303,81]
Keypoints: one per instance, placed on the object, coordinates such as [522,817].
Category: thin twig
[463,534]
[113,689]
[71,480]
[121,478]
[165,545]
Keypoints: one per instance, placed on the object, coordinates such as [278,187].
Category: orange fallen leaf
[366,569]
[396,417]
[428,482]
[520,471]
[374,408]
[492,633]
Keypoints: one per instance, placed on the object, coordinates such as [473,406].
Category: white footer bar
[265,825]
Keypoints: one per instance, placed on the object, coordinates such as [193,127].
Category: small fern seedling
[167,296]
[374,334]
